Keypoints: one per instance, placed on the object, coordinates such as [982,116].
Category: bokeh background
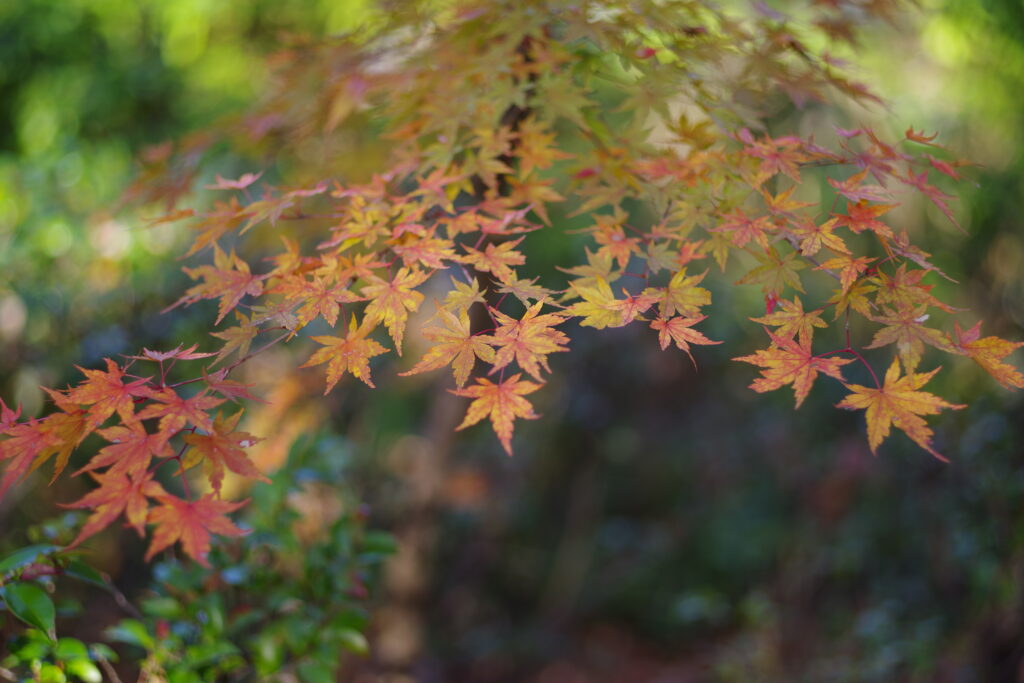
[659,523]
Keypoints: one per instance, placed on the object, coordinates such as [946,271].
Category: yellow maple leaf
[898,403]
[988,352]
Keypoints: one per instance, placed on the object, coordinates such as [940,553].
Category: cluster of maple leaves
[498,121]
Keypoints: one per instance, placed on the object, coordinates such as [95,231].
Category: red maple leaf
[117,493]
[106,393]
[191,523]
[175,412]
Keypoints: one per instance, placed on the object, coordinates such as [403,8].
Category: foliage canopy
[637,133]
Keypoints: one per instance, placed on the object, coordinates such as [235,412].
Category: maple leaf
[903,288]
[792,320]
[862,216]
[776,272]
[635,305]
[191,523]
[8,417]
[779,155]
[222,447]
[430,251]
[988,352]
[117,493]
[525,290]
[939,198]
[849,267]
[27,446]
[175,412]
[536,193]
[915,136]
[239,338]
[898,403]
[463,295]
[351,353]
[813,237]
[611,235]
[228,388]
[67,428]
[599,267]
[243,182]
[502,403]
[743,229]
[789,362]
[228,279]
[856,298]
[390,301]
[683,296]
[599,308]
[130,451]
[852,189]
[496,259]
[106,393]
[528,340]
[455,344]
[176,353]
[680,330]
[319,298]
[905,328]
[536,146]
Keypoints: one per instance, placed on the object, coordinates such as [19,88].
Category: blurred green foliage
[285,600]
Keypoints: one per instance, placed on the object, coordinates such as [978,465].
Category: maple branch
[796,247]
[108,669]
[229,368]
[851,350]
[261,349]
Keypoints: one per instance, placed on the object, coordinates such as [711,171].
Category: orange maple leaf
[787,362]
[813,237]
[223,447]
[988,352]
[239,338]
[528,340]
[680,331]
[496,260]
[455,344]
[849,267]
[792,320]
[319,297]
[898,403]
[502,403]
[117,493]
[351,353]
[861,216]
[391,301]
[852,189]
[228,279]
[191,523]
